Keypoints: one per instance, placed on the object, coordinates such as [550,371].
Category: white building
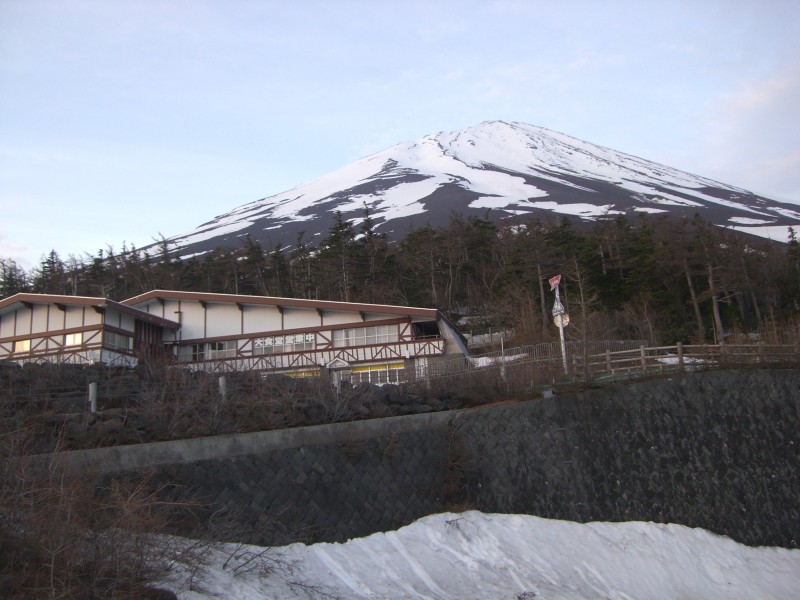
[77,329]
[224,332]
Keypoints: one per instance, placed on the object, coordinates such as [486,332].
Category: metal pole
[223,388]
[502,357]
[558,312]
[563,346]
[93,396]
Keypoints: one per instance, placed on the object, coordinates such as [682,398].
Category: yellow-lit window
[73,339]
[22,346]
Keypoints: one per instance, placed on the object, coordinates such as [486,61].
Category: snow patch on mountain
[748,221]
[776,233]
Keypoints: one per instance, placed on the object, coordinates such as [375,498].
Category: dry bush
[79,535]
[490,384]
[177,403]
[277,401]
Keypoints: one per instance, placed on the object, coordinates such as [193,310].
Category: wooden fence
[532,367]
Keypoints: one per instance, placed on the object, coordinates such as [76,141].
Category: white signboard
[284,340]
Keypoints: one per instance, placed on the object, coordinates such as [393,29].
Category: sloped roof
[13,302]
[244,299]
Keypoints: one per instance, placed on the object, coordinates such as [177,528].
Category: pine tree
[51,276]
[419,263]
[373,276]
[13,278]
[301,271]
[254,267]
[335,261]
[279,272]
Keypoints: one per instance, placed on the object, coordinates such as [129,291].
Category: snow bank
[487,556]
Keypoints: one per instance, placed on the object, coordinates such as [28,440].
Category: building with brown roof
[225,332]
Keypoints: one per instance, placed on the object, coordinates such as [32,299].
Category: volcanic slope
[508,171]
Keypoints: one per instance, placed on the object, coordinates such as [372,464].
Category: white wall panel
[371,316]
[223,319]
[171,310]
[40,317]
[23,325]
[296,318]
[7,324]
[127,322]
[73,316]
[192,320]
[154,307]
[341,317]
[261,318]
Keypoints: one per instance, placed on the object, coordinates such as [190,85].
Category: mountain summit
[510,171]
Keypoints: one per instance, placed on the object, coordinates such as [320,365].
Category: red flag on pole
[554,281]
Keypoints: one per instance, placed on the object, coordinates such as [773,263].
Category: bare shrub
[178,403]
[78,535]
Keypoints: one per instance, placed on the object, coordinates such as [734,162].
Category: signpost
[560,318]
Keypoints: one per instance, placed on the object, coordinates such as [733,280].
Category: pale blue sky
[120,120]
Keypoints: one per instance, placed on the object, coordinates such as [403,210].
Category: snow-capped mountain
[508,171]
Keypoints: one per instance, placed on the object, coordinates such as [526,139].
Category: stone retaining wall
[718,450]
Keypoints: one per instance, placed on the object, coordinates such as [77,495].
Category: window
[226,349]
[117,341]
[73,339]
[198,352]
[365,336]
[379,374]
[276,344]
[22,346]
[427,329]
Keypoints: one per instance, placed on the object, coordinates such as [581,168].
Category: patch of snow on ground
[473,555]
